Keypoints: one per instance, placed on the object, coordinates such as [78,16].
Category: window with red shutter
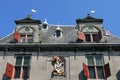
[22,66]
[107,70]
[9,70]
[95,66]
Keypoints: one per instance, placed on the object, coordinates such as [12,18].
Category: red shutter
[107,70]
[9,70]
[86,71]
[81,35]
[17,36]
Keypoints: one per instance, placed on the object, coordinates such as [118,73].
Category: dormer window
[92,37]
[45,26]
[26,38]
[58,32]
[92,34]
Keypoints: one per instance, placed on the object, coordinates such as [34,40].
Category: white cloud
[92,11]
[33,10]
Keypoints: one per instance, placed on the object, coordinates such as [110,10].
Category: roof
[89,18]
[69,35]
[27,20]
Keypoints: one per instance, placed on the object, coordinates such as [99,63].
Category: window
[88,39]
[92,37]
[45,26]
[26,38]
[22,66]
[58,33]
[95,68]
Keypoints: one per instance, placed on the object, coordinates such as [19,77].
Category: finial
[88,14]
[45,22]
[58,24]
[29,15]
[58,28]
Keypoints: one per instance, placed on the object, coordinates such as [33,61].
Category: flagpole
[31,13]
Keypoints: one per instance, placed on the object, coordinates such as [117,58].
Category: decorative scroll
[58,66]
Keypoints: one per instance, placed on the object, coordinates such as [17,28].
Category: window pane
[27,60]
[90,60]
[100,72]
[92,72]
[17,72]
[99,60]
[19,60]
[45,26]
[23,39]
[58,33]
[26,72]
[87,37]
[30,39]
[95,37]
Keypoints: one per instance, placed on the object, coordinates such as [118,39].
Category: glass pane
[95,37]
[100,72]
[92,72]
[17,72]
[87,37]
[58,33]
[90,60]
[30,39]
[99,60]
[27,60]
[26,72]
[19,60]
[23,39]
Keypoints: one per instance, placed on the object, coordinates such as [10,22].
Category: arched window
[92,33]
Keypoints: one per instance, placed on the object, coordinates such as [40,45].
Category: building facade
[40,51]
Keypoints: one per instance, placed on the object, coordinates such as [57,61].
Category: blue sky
[64,12]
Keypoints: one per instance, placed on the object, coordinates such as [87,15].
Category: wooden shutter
[86,70]
[9,70]
[81,35]
[17,36]
[107,70]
